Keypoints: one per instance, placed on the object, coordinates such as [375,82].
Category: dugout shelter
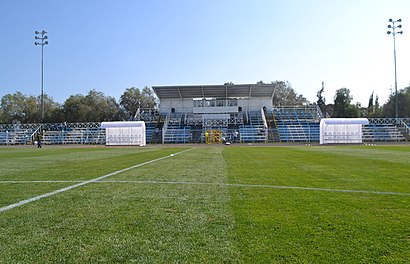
[342,130]
[125,133]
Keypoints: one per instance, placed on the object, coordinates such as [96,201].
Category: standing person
[235,136]
[38,140]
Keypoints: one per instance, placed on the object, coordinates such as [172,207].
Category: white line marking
[264,186]
[321,189]
[218,184]
[25,181]
[23,202]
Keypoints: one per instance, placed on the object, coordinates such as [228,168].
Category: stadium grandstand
[211,114]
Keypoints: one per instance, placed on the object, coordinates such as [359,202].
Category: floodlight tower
[393,32]
[41,36]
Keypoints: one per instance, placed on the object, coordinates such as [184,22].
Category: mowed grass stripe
[36,198]
[65,163]
[259,186]
[322,167]
[14,192]
[275,225]
[129,223]
[220,184]
[293,226]
[61,163]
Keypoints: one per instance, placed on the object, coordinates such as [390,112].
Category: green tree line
[343,107]
[95,106]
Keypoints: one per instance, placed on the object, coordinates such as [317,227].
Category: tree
[103,108]
[94,107]
[377,111]
[376,102]
[148,98]
[75,108]
[370,108]
[12,107]
[321,101]
[284,95]
[18,107]
[22,108]
[342,106]
[389,109]
[132,100]
[53,112]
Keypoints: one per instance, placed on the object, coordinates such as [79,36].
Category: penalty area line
[36,198]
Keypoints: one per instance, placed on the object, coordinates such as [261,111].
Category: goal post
[124,133]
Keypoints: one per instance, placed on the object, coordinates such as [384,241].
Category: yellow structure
[213,136]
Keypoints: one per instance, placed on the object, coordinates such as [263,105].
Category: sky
[113,45]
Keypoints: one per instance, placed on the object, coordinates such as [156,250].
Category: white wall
[254,104]
[180,105]
[187,105]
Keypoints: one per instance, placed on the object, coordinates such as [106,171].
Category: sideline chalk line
[40,181]
[227,185]
[23,202]
[262,186]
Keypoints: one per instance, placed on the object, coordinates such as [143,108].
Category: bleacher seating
[178,135]
[149,131]
[250,134]
[54,137]
[175,131]
[297,124]
[94,136]
[290,124]
[153,124]
[382,132]
[74,136]
[15,137]
[17,134]
[255,130]
[405,128]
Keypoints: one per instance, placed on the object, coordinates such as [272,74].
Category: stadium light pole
[41,39]
[393,27]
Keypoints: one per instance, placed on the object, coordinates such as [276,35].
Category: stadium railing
[382,132]
[17,134]
[289,125]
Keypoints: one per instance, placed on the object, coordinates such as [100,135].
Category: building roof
[117,124]
[344,121]
[215,91]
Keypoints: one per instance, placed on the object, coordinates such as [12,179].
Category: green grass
[207,205]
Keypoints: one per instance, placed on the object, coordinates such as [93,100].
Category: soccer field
[205,204]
